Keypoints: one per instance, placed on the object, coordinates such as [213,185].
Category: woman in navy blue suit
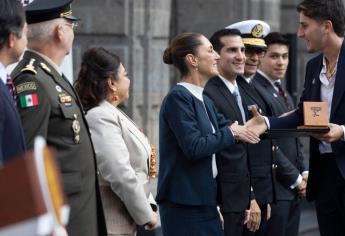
[191,132]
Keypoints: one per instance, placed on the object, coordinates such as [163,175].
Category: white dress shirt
[327,89]
[3,73]
[197,92]
[228,84]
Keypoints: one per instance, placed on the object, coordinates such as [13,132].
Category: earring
[115,97]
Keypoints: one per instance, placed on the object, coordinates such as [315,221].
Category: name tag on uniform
[65,99]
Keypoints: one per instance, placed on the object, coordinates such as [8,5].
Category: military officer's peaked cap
[253,32]
[44,10]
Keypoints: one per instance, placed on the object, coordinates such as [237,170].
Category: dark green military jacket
[49,107]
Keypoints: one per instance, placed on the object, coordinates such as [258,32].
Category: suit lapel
[315,93]
[339,86]
[228,97]
[277,103]
[130,126]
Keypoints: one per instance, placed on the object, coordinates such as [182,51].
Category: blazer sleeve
[286,171]
[34,119]
[114,165]
[181,117]
[2,123]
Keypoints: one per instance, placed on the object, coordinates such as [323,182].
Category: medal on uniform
[58,88]
[76,129]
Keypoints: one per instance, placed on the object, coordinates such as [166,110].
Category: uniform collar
[56,67]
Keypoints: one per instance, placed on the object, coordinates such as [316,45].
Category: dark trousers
[284,219]
[330,199]
[263,224]
[233,223]
[185,220]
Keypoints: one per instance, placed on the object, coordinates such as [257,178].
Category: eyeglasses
[258,51]
[73,24]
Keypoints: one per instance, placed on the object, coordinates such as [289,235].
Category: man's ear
[59,33]
[328,26]
[11,40]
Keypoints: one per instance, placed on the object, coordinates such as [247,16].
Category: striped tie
[283,94]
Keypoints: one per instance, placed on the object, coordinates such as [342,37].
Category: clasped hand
[257,123]
[251,131]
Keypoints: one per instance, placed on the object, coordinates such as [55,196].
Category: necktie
[237,96]
[283,94]
[11,88]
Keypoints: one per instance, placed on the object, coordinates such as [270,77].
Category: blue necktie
[237,96]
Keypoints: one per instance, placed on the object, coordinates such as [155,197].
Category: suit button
[273,148]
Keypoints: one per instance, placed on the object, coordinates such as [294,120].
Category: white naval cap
[252,31]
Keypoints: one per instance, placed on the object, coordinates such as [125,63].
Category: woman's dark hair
[97,66]
[180,46]
[12,19]
[332,10]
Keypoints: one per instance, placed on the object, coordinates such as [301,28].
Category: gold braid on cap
[152,165]
[67,13]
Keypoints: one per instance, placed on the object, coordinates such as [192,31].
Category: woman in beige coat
[122,150]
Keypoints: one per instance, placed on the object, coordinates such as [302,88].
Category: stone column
[138,31]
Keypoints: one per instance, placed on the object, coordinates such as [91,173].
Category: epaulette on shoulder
[45,67]
[30,67]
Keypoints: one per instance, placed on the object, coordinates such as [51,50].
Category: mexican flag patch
[29,100]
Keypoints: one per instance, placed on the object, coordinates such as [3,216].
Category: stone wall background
[139,31]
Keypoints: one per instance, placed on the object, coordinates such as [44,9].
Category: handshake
[251,130]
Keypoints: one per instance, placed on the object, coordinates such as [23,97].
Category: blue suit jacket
[12,141]
[186,145]
[312,92]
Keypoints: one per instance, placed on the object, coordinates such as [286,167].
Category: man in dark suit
[267,153]
[272,69]
[12,44]
[234,179]
[49,107]
[322,25]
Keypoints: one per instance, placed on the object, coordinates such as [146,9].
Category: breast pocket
[70,130]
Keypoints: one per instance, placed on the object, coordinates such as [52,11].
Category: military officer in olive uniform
[49,106]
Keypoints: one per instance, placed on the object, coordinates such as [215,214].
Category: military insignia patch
[29,100]
[258,31]
[26,87]
[30,67]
